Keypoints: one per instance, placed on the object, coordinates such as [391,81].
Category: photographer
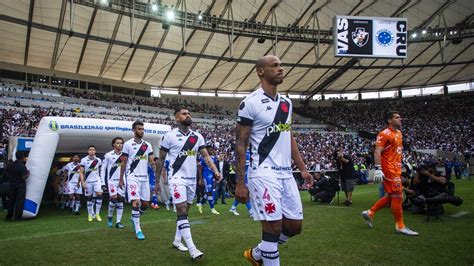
[325,188]
[432,189]
[348,176]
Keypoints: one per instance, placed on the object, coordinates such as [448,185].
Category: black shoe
[77,213]
[456,201]
[225,203]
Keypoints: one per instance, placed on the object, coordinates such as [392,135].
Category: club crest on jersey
[193,139]
[143,148]
[270,208]
[280,127]
[284,107]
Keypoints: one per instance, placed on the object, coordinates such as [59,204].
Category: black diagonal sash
[93,164]
[180,159]
[115,166]
[269,141]
[139,153]
[74,171]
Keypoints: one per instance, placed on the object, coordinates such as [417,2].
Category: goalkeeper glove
[378,174]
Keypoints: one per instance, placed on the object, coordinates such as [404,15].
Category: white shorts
[138,190]
[183,193]
[72,188]
[115,190]
[92,188]
[273,198]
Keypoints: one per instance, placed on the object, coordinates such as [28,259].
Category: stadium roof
[102,38]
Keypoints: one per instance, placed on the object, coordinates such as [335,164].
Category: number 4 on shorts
[266,196]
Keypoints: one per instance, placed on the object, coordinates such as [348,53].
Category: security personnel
[18,174]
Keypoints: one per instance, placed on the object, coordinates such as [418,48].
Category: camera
[426,165]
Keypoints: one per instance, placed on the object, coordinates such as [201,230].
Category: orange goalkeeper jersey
[392,144]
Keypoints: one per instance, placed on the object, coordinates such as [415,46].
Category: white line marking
[42,235]
[459,214]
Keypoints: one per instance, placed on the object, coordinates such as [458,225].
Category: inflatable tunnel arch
[70,135]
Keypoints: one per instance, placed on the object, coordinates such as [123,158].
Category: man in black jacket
[224,168]
[325,188]
[18,174]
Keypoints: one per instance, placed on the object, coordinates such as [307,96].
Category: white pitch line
[42,235]
[459,214]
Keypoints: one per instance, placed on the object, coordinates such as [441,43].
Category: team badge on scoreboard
[384,37]
[360,37]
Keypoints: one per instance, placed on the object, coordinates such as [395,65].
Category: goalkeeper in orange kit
[388,169]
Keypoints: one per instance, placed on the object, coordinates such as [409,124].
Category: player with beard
[264,118]
[388,169]
[136,155]
[182,146]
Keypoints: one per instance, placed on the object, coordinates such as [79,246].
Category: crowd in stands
[142,101]
[317,148]
[440,123]
[435,123]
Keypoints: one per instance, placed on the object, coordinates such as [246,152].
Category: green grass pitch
[332,235]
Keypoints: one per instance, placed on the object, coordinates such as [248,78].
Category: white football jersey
[270,135]
[182,154]
[137,162]
[72,171]
[111,166]
[91,169]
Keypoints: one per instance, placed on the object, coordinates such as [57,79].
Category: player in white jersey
[72,185]
[137,154]
[264,118]
[182,146]
[61,196]
[92,183]
[110,171]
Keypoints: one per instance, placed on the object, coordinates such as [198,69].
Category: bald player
[388,169]
[264,120]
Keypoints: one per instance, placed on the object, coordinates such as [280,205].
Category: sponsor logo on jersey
[276,128]
[187,153]
[269,108]
[140,157]
[265,101]
[281,168]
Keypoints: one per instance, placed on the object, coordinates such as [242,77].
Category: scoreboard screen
[370,37]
